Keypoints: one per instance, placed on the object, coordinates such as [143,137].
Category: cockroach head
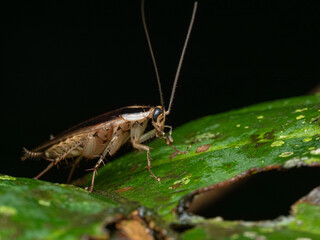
[158,120]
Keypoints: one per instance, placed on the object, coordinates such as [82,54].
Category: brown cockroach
[105,134]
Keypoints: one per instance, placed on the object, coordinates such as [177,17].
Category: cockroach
[105,134]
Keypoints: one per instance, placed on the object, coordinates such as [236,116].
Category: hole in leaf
[261,196]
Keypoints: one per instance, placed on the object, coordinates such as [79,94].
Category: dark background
[64,62]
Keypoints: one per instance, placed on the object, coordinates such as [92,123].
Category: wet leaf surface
[280,135]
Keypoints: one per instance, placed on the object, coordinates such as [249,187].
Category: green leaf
[283,133]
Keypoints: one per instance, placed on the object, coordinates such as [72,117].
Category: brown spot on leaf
[254,138]
[175,186]
[260,144]
[124,189]
[269,135]
[173,155]
[203,148]
[133,168]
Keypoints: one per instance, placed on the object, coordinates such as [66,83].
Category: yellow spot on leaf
[311,148]
[181,182]
[286,154]
[277,143]
[301,110]
[44,203]
[306,140]
[203,137]
[246,127]
[184,180]
[7,210]
[299,117]
[260,117]
[238,125]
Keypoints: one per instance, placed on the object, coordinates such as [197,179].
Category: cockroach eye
[156,114]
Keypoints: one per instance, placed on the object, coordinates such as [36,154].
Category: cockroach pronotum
[105,134]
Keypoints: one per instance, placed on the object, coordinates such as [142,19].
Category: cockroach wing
[102,121]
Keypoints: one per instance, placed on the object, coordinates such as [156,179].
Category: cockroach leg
[49,159]
[45,170]
[147,136]
[64,156]
[169,140]
[117,140]
[95,172]
[57,159]
[76,162]
[95,169]
[170,133]
[136,131]
[149,166]
[92,181]
[177,150]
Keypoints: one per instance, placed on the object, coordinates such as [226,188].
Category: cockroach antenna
[151,52]
[181,57]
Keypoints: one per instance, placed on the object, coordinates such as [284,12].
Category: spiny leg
[176,150]
[149,165]
[57,160]
[136,134]
[76,162]
[30,154]
[54,162]
[169,140]
[117,140]
[105,152]
[45,170]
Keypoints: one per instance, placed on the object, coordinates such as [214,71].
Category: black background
[64,62]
